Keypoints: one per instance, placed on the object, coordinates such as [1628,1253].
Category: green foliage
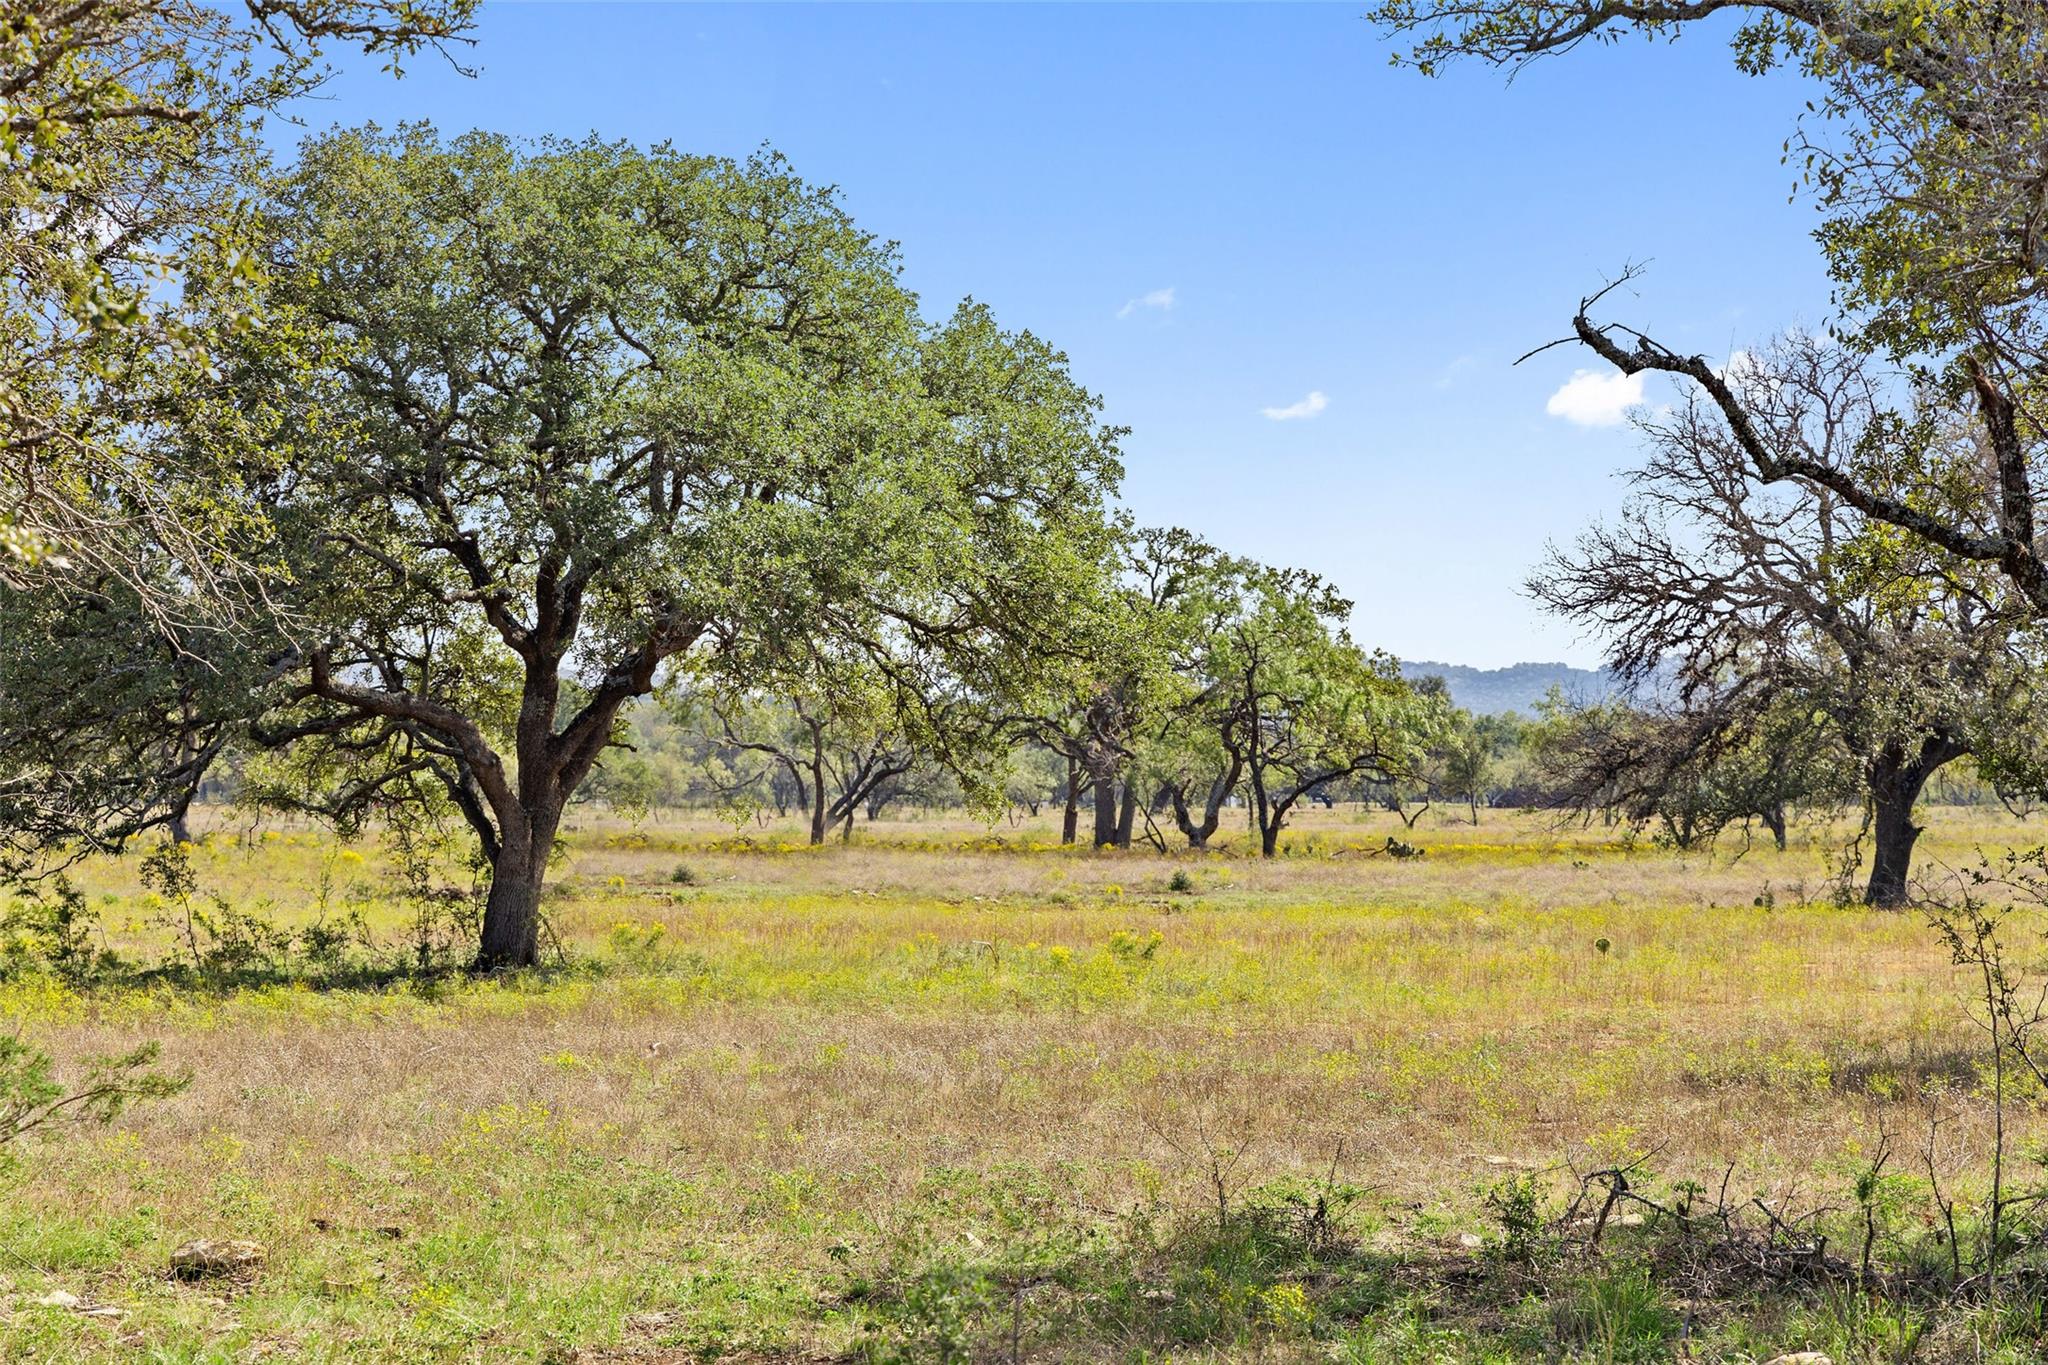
[110,716]
[1305,706]
[1518,1207]
[217,943]
[129,140]
[684,415]
[50,927]
[32,1098]
[1282,1270]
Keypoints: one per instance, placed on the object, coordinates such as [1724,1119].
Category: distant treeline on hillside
[1518,687]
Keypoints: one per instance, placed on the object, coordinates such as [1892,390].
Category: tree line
[397,477]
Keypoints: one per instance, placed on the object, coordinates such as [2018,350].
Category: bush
[1525,1232]
[52,929]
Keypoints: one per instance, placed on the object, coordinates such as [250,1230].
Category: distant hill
[1518,687]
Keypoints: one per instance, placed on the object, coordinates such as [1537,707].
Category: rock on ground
[203,1258]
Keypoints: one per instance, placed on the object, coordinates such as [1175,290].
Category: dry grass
[802,1067]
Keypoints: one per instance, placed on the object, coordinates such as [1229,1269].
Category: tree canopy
[1924,149]
[129,154]
[578,413]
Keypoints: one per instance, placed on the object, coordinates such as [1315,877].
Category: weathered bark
[1199,834]
[1274,820]
[1269,829]
[1896,778]
[1127,814]
[1102,773]
[552,764]
[1895,833]
[511,927]
[1105,813]
[818,809]
[1070,820]
[816,768]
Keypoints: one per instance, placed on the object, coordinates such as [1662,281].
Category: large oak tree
[582,412]
[1770,623]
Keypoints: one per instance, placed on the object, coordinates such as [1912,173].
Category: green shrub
[51,928]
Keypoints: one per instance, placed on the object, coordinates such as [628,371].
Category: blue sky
[1298,275]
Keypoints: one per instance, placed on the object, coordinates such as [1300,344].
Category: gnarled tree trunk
[1199,834]
[1102,771]
[1897,774]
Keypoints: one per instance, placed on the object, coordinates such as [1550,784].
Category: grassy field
[949,1093]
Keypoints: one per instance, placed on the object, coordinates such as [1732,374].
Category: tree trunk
[1774,821]
[1071,822]
[817,767]
[1219,792]
[1102,766]
[1268,828]
[511,928]
[1894,786]
[180,826]
[1105,812]
[1127,814]
[1196,835]
[1895,783]
[1272,813]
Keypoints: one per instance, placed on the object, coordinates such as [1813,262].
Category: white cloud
[1590,399]
[1160,299]
[1449,374]
[1746,376]
[1294,412]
